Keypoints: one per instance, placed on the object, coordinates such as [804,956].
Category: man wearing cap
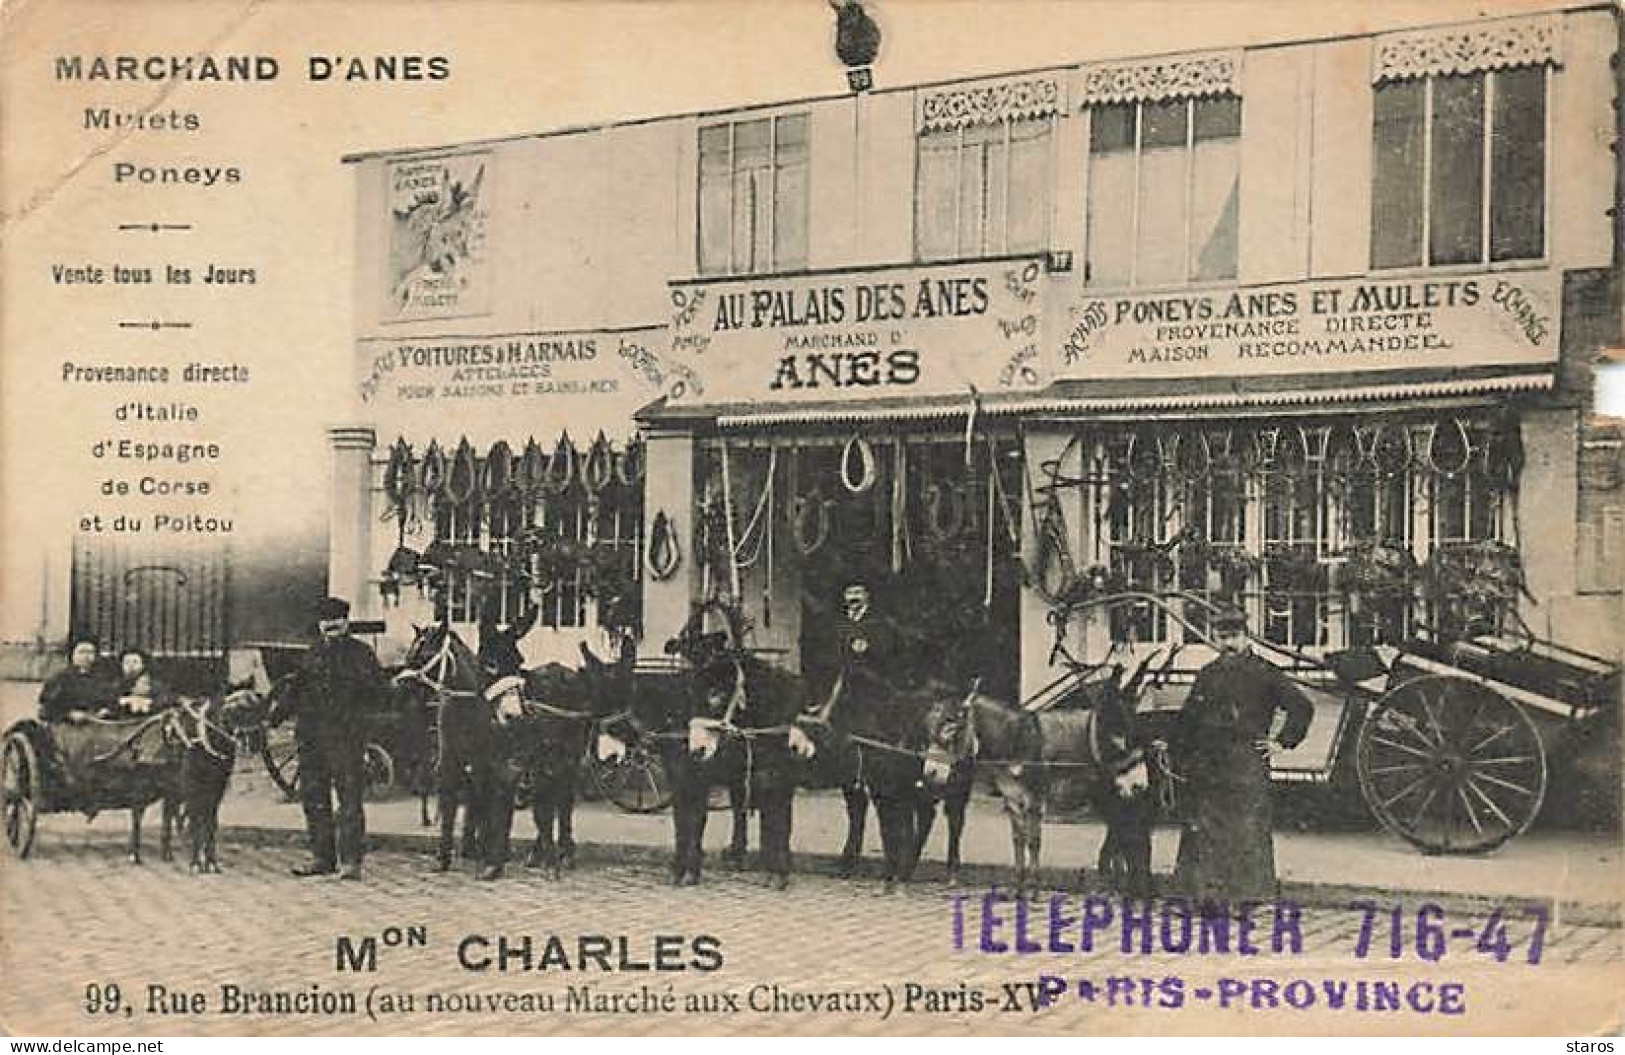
[1226,852]
[329,696]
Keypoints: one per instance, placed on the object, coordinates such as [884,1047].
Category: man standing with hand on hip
[335,688]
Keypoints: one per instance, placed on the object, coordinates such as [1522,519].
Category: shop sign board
[509,385]
[439,218]
[1501,318]
[869,334]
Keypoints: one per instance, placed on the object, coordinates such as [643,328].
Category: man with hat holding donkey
[1226,851]
[336,686]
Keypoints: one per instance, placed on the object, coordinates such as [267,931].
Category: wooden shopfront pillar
[668,489]
[349,551]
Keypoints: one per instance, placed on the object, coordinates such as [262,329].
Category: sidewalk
[1565,867]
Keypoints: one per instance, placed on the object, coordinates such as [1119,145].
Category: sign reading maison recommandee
[929,330]
[1505,318]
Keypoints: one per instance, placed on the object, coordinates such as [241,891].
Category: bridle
[438,671]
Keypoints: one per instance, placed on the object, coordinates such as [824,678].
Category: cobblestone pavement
[76,917]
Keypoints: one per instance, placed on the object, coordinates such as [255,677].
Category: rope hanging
[900,548]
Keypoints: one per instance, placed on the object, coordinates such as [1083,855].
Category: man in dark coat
[1226,852]
[869,648]
[336,686]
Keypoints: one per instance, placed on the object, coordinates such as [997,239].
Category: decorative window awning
[990,102]
[1155,80]
[1501,44]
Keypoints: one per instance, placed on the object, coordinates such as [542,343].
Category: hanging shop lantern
[530,470]
[858,478]
[665,554]
[630,466]
[432,479]
[1448,448]
[598,468]
[561,468]
[463,477]
[497,479]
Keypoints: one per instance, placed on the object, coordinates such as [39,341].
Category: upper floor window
[753,196]
[1163,194]
[1459,168]
[983,188]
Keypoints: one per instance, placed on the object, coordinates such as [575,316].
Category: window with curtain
[1459,169]
[983,189]
[753,196]
[1164,189]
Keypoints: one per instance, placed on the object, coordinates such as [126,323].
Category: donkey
[180,758]
[725,721]
[476,763]
[1092,732]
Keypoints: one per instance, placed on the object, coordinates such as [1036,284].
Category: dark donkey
[726,721]
[180,757]
[476,763]
[872,746]
[1091,733]
[560,709]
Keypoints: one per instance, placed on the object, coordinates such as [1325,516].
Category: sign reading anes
[1458,320]
[899,331]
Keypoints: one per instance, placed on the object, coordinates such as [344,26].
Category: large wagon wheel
[280,753]
[378,772]
[1450,765]
[22,790]
[636,782]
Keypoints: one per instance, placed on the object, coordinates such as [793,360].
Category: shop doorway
[938,548]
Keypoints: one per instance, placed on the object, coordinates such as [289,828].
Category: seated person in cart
[140,693]
[1226,851]
[85,688]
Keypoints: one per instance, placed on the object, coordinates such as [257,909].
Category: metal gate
[169,600]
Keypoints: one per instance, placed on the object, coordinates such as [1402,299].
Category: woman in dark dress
[1226,851]
[79,691]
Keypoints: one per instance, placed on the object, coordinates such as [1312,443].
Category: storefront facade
[1238,324]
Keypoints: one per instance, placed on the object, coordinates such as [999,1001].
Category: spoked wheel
[1451,766]
[636,783]
[378,772]
[280,753]
[20,781]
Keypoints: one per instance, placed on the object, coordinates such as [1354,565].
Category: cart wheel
[20,781]
[1450,765]
[636,783]
[378,771]
[280,754]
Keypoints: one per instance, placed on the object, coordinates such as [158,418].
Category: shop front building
[1305,327]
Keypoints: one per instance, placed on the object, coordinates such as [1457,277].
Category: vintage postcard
[817,517]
